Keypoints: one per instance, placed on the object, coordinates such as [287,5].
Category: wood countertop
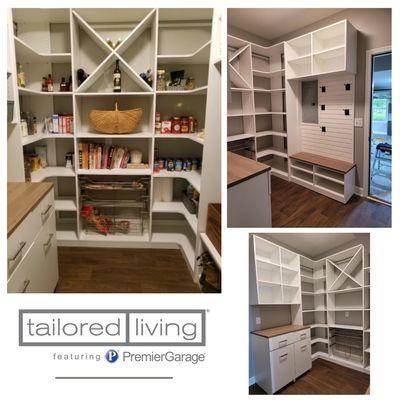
[22,198]
[279,330]
[241,168]
[330,163]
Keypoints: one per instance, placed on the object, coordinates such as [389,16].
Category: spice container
[176,125]
[184,125]
[157,125]
[178,165]
[24,127]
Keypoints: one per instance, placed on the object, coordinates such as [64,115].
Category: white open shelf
[51,172]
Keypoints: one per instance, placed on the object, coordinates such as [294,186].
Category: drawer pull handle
[303,347]
[17,254]
[45,214]
[283,356]
[303,336]
[48,243]
[26,284]
[282,343]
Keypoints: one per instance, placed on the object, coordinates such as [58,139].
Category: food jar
[178,164]
[190,83]
[161,80]
[176,125]
[184,125]
[136,157]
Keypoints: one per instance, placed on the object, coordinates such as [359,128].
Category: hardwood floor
[295,206]
[324,378]
[106,270]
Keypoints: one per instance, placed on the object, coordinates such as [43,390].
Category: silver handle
[303,347]
[26,284]
[284,343]
[48,243]
[18,253]
[303,336]
[283,356]
[45,214]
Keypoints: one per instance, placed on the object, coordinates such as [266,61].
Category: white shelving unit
[257,105]
[327,50]
[61,41]
[332,294]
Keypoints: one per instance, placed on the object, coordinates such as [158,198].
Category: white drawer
[280,341]
[282,367]
[43,210]
[38,271]
[302,356]
[301,335]
[19,243]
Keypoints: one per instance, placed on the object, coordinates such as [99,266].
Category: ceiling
[271,23]
[311,244]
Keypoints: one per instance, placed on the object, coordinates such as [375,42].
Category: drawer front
[301,335]
[43,210]
[280,341]
[19,243]
[302,356]
[282,367]
[38,271]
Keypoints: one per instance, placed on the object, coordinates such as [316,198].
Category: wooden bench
[328,176]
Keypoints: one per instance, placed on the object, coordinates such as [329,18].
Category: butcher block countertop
[326,162]
[241,168]
[279,330]
[22,198]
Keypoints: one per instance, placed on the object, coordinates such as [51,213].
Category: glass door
[380,154]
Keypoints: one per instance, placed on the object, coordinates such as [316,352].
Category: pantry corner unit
[327,300]
[119,109]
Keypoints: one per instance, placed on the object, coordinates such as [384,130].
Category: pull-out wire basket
[115,207]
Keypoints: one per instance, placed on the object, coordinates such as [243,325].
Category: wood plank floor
[324,378]
[106,270]
[295,206]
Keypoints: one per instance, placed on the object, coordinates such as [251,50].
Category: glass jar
[190,83]
[161,83]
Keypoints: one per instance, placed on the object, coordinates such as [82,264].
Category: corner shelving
[151,39]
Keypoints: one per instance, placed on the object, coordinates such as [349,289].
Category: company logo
[112,328]
[112,356]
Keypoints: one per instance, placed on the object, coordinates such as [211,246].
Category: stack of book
[102,156]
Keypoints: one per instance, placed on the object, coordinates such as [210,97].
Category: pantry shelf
[198,91]
[51,172]
[190,136]
[193,177]
[41,136]
[200,56]
[88,135]
[32,92]
[176,207]
[115,171]
[65,204]
[211,248]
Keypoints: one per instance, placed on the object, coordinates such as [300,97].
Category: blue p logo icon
[112,356]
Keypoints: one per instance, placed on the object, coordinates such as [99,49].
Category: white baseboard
[252,380]
[359,191]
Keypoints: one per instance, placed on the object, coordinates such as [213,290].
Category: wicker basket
[116,122]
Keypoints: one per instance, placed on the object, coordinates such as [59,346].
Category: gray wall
[374,27]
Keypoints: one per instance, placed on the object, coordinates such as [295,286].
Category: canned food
[184,125]
[176,125]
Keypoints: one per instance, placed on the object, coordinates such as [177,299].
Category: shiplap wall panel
[338,140]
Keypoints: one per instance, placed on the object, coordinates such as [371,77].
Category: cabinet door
[47,242]
[302,356]
[282,367]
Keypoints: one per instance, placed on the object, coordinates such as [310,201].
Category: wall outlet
[258,321]
[346,314]
[358,122]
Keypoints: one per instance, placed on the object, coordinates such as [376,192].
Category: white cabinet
[326,50]
[302,356]
[32,251]
[280,359]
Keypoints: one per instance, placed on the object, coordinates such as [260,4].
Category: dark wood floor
[324,378]
[106,270]
[295,206]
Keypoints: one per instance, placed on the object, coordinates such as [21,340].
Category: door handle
[25,285]
[16,255]
[45,214]
[283,356]
[48,243]
[303,336]
[284,343]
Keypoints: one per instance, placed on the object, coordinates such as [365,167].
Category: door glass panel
[380,173]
